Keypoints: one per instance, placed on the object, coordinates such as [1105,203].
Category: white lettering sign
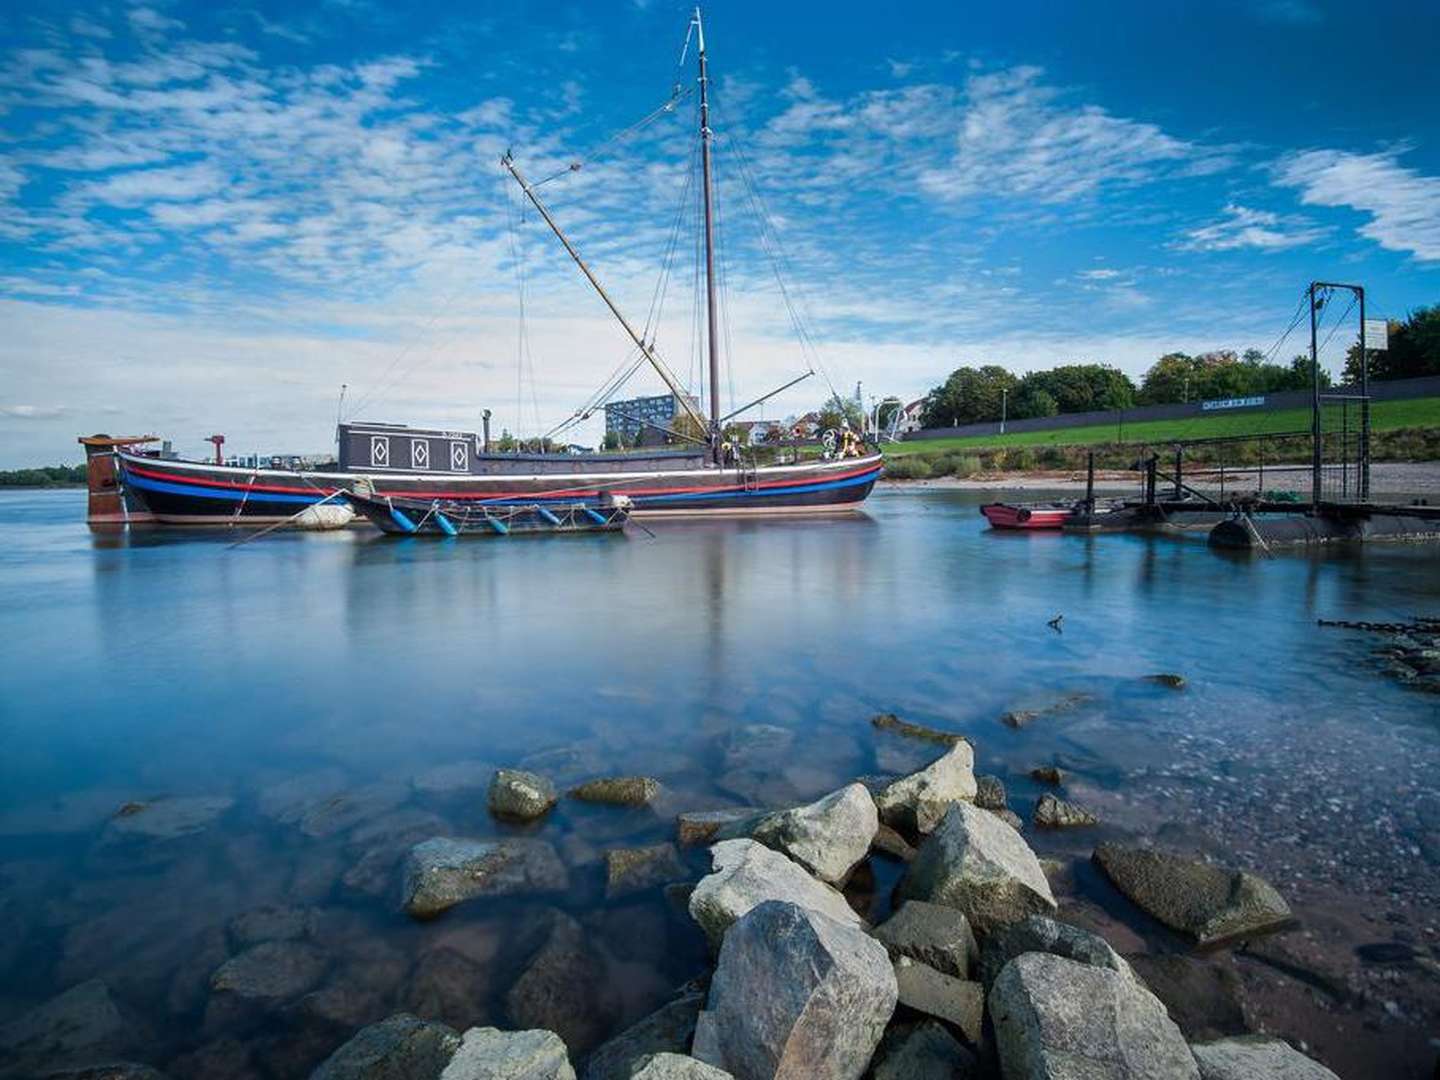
[1377,334]
[1232,403]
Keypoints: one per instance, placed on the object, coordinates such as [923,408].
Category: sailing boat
[390,461]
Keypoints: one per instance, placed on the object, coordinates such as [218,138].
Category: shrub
[908,467]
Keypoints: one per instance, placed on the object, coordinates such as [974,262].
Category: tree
[1032,401]
[1082,387]
[612,441]
[1413,349]
[838,411]
[970,395]
[1168,379]
[685,425]
[506,443]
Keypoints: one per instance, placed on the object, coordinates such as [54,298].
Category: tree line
[45,476]
[986,393]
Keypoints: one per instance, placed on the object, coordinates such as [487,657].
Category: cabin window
[459,457]
[380,451]
[419,453]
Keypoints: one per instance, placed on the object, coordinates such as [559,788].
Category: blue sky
[213,215]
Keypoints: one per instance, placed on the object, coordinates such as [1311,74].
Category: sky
[214,215]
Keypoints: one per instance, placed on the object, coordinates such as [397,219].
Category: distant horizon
[214,218]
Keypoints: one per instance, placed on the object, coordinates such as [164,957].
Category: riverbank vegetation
[44,477]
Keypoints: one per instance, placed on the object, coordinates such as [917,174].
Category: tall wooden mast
[710,311]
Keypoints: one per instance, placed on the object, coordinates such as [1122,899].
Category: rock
[1206,1000]
[618,791]
[398,1048]
[932,934]
[165,819]
[1019,718]
[1249,1057]
[1038,934]
[559,988]
[990,793]
[756,746]
[917,802]
[271,971]
[1047,774]
[268,924]
[1053,813]
[1009,817]
[491,1054]
[891,843]
[346,809]
[891,722]
[924,1051]
[449,987]
[118,1070]
[980,865]
[1173,682]
[699,826]
[796,994]
[629,870]
[945,997]
[383,841]
[827,837]
[75,1027]
[748,873]
[678,1067]
[516,795]
[454,777]
[1056,1019]
[668,1029]
[1212,904]
[443,871]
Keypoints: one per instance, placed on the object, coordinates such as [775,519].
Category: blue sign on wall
[1232,403]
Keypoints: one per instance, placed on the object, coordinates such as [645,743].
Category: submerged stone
[444,871]
[166,819]
[618,790]
[629,870]
[1053,813]
[401,1047]
[271,971]
[560,988]
[71,1028]
[700,826]
[1210,903]
[891,722]
[669,1029]
[1166,679]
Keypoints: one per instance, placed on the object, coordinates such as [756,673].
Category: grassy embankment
[1400,431]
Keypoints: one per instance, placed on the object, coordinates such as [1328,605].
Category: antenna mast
[709,240]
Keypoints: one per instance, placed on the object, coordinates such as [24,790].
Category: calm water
[301,667]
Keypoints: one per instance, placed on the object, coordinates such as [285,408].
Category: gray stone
[679,1067]
[924,1051]
[891,722]
[1249,1057]
[796,994]
[934,993]
[669,1028]
[1212,904]
[757,746]
[1168,680]
[1047,774]
[990,793]
[560,987]
[827,837]
[917,802]
[398,1048]
[1019,718]
[491,1054]
[889,842]
[346,809]
[115,1070]
[629,870]
[271,971]
[516,795]
[1009,817]
[748,873]
[618,790]
[701,826]
[1039,934]
[1056,1019]
[165,819]
[932,934]
[75,1027]
[443,871]
[978,864]
[1053,813]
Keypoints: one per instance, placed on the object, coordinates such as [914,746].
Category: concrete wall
[1393,390]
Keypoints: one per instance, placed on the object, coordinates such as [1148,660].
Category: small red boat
[1027,515]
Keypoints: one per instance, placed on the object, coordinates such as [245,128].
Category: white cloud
[1101,274]
[1243,227]
[1403,205]
[149,185]
[148,20]
[32,412]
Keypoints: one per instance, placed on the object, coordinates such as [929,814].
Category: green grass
[1384,416]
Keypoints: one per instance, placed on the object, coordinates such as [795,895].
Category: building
[910,417]
[628,419]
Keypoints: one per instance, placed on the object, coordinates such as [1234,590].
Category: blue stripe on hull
[144,483]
